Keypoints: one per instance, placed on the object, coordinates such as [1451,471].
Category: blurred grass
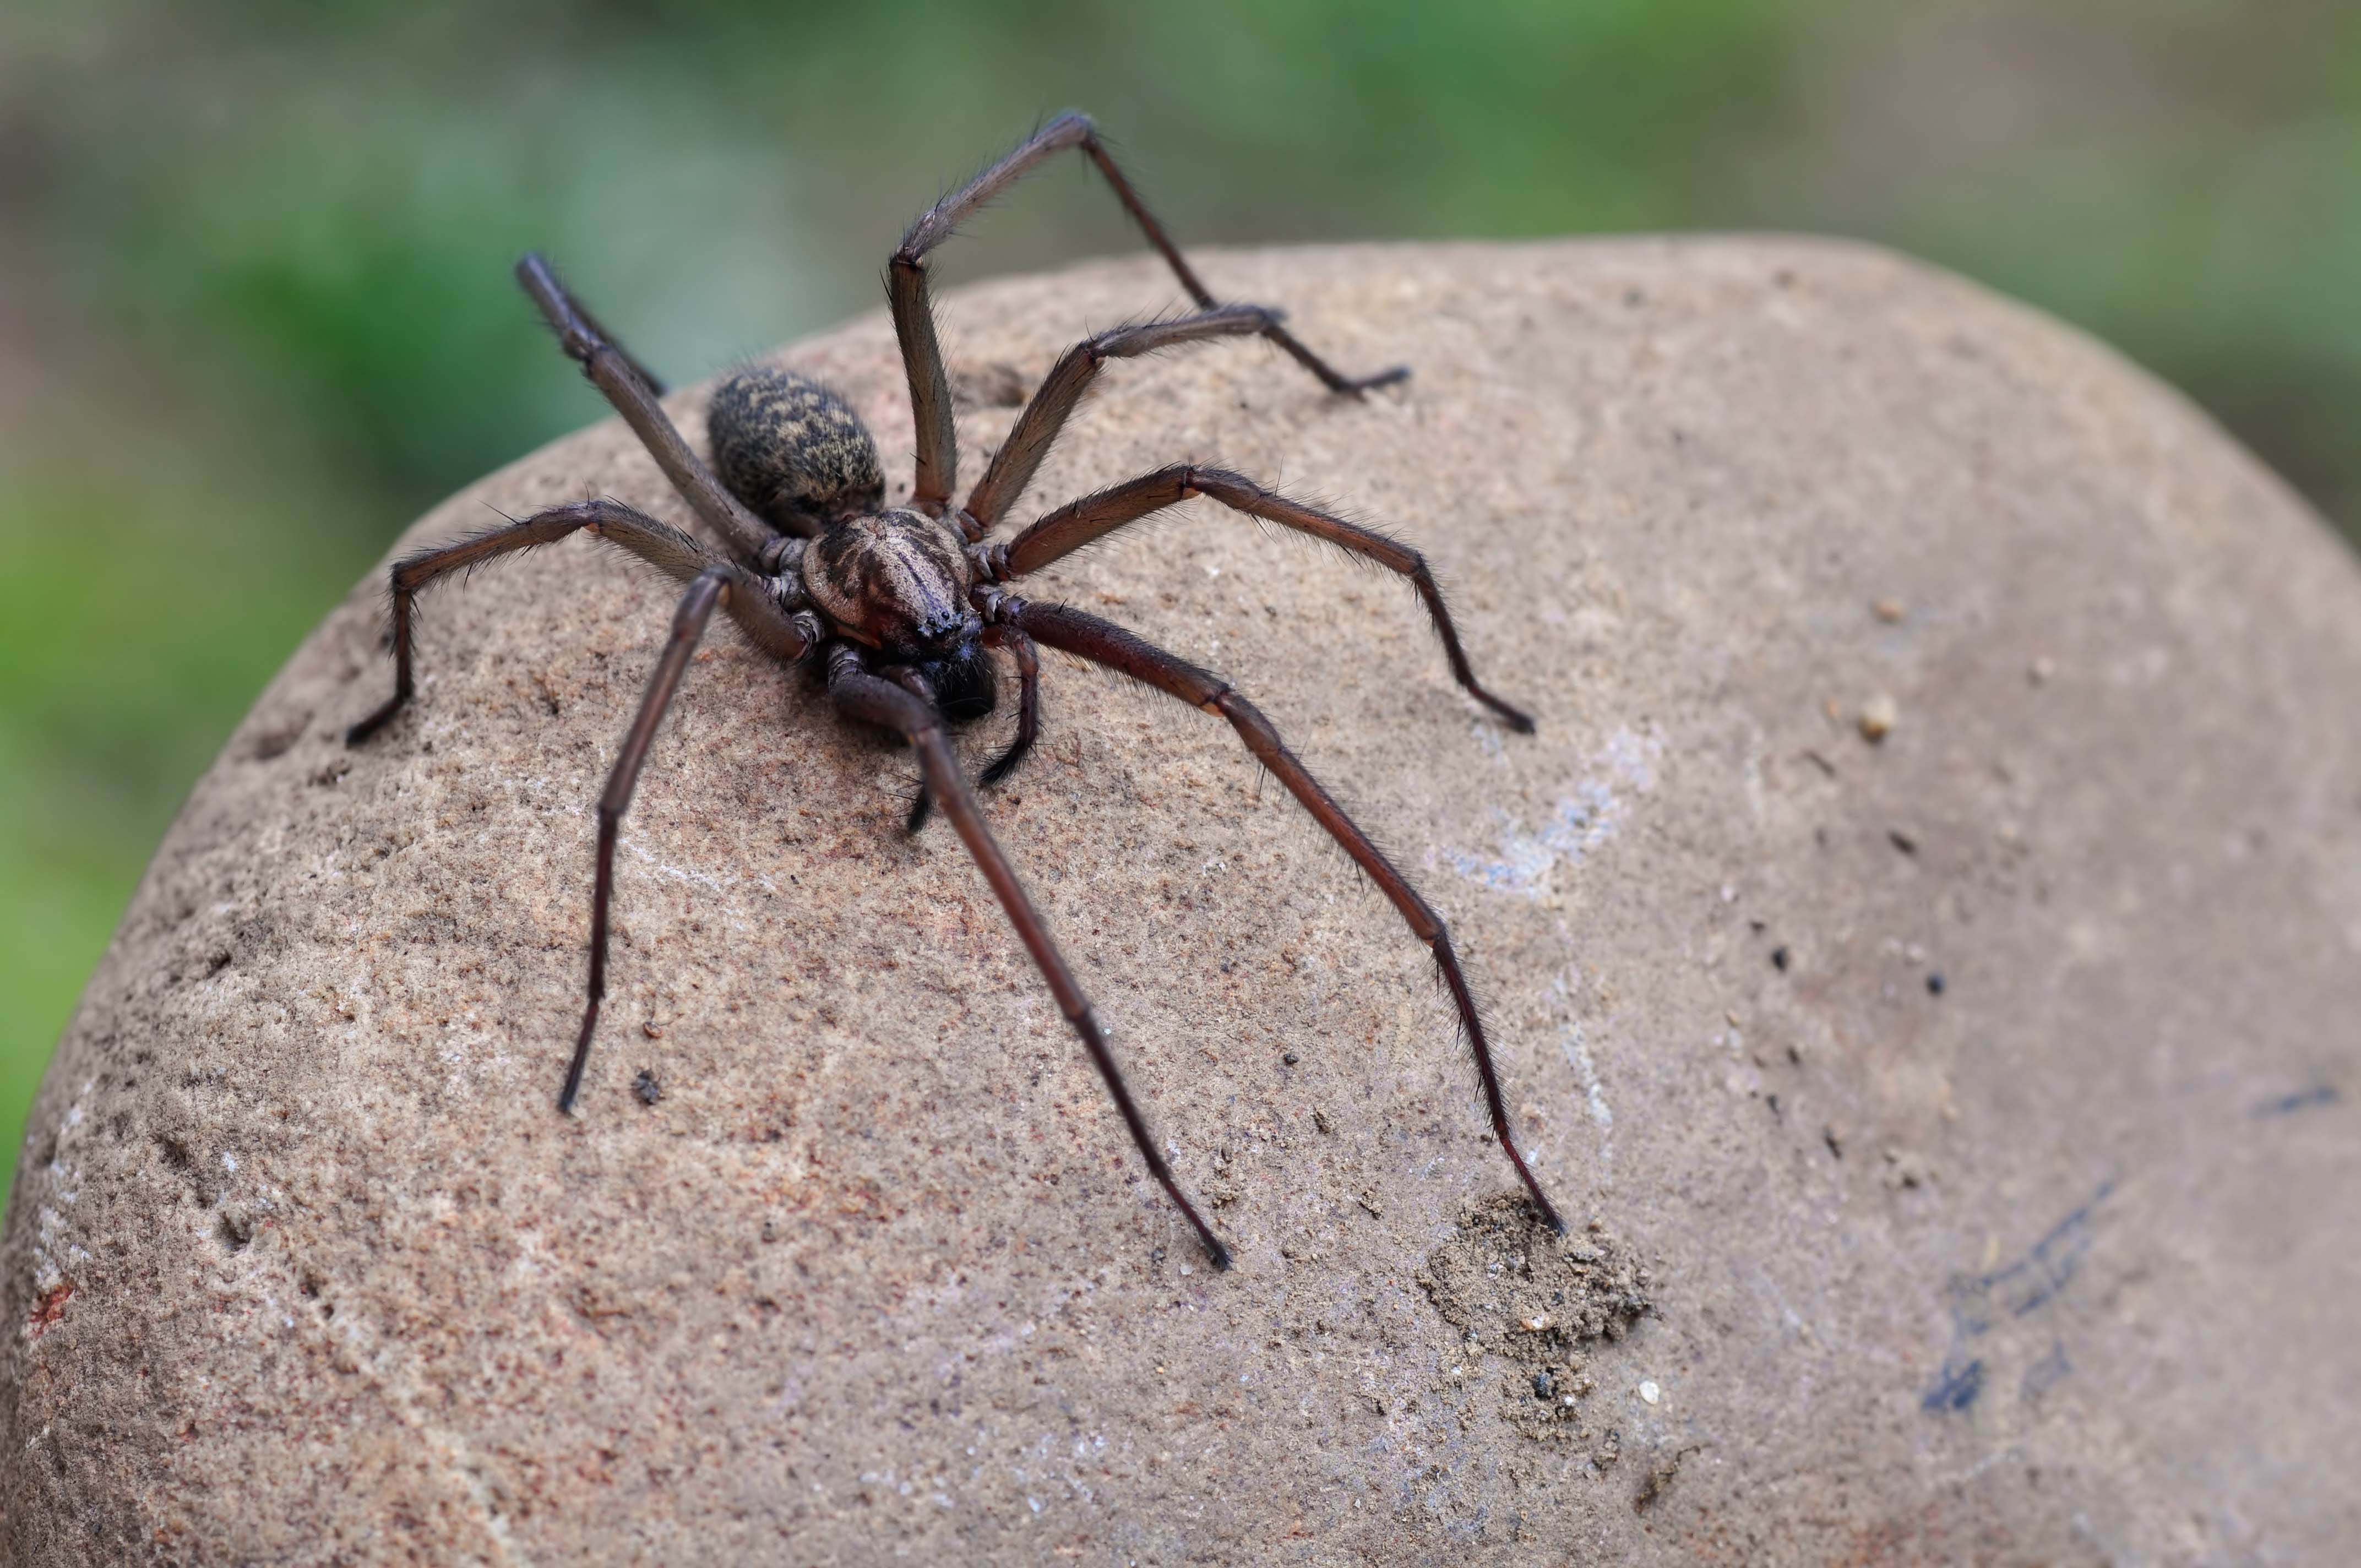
[255,310]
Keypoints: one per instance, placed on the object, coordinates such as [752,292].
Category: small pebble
[651,1029]
[1879,715]
[2040,670]
[1779,959]
[1650,1392]
[646,1087]
[1888,610]
[1291,1058]
[1933,985]
[1543,1387]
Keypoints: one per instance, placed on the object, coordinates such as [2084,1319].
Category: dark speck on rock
[646,1087]
[1933,985]
[1543,1387]
[1779,959]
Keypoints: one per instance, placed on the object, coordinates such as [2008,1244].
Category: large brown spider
[903,602]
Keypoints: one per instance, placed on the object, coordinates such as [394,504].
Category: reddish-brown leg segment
[1073,130]
[711,587]
[913,322]
[631,391]
[660,545]
[871,698]
[1070,527]
[1028,701]
[1028,718]
[1103,643]
[1060,393]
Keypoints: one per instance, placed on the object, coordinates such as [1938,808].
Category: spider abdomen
[792,450]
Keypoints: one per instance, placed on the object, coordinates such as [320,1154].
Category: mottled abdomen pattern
[793,450]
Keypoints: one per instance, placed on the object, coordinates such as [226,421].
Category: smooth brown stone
[2012,1216]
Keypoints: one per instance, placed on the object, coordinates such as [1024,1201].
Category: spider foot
[361,730]
[1216,1253]
[1361,384]
[1516,718]
[1001,767]
[565,1096]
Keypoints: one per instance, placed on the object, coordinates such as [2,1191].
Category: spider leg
[1028,701]
[1074,130]
[872,699]
[1061,533]
[1103,642]
[632,391]
[1029,719]
[937,462]
[711,586]
[774,629]
[1012,466]
[914,318]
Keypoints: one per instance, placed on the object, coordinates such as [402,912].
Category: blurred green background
[256,312]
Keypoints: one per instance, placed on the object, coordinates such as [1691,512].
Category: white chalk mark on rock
[1576,1048]
[1589,813]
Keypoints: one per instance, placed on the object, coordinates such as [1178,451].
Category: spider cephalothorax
[898,581]
[903,606]
[894,579]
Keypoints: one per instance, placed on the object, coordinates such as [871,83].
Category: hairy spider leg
[667,549]
[1070,527]
[1103,643]
[872,700]
[913,322]
[1012,468]
[1028,700]
[1029,719]
[712,587]
[1072,129]
[629,390]
[649,379]
[936,464]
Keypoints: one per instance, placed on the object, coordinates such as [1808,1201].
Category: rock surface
[1976,1106]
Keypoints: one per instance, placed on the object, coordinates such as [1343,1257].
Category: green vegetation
[255,310]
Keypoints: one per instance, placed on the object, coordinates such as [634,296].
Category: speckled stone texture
[1980,1102]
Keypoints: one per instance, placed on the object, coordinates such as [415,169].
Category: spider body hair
[898,581]
[792,450]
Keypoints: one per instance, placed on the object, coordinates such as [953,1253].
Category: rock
[304,1267]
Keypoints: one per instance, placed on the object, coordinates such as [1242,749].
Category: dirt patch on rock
[1517,1290]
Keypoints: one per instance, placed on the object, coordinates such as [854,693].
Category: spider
[902,607]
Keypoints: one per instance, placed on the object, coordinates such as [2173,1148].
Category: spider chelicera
[903,605]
